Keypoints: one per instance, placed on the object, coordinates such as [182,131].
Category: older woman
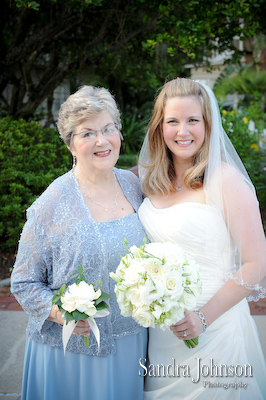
[81,219]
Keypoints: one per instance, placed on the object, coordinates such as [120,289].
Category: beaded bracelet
[203,319]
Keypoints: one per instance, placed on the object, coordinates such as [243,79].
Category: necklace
[99,204]
[178,188]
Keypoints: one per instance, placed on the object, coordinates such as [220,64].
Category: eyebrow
[191,116]
[89,129]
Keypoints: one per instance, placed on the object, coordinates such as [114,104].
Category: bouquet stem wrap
[80,301]
[69,327]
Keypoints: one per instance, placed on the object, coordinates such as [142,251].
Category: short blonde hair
[160,171]
[87,102]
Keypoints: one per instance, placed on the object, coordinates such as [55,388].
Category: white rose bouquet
[156,283]
[80,301]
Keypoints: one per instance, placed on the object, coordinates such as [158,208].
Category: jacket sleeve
[29,277]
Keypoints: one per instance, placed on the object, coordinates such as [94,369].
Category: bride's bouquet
[156,283]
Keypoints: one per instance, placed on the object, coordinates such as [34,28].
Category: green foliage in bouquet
[96,303]
[154,285]
[77,315]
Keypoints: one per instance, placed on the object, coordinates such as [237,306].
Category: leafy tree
[247,82]
[133,45]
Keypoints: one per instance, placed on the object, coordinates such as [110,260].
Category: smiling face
[98,153]
[183,127]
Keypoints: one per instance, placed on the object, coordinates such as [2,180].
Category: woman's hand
[82,328]
[189,327]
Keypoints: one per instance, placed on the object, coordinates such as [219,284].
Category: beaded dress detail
[60,235]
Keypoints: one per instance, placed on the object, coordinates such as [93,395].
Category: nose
[101,139]
[182,129]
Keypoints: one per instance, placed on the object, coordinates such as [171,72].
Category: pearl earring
[74,162]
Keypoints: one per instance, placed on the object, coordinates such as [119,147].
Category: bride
[200,196]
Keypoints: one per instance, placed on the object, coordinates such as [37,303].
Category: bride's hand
[189,327]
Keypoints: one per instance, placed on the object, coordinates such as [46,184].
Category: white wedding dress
[228,362]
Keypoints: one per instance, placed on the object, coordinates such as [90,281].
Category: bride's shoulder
[230,175]
[234,182]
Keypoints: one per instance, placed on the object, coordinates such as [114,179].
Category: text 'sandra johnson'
[203,370]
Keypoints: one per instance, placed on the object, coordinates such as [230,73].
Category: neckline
[116,172]
[186,203]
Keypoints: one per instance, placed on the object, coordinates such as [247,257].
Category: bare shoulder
[229,172]
[237,192]
[233,180]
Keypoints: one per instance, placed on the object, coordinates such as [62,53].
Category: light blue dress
[60,235]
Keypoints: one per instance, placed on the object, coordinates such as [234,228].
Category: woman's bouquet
[156,283]
[80,301]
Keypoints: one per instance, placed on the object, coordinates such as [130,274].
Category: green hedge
[31,157]
[250,146]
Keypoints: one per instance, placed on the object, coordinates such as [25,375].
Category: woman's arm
[29,277]
[243,216]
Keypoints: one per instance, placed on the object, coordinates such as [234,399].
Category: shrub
[31,157]
[250,144]
[127,161]
[134,128]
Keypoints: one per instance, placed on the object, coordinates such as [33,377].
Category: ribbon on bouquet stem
[69,327]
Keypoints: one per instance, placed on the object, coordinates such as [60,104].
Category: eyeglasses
[89,134]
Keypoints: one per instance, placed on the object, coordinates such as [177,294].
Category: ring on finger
[185,333]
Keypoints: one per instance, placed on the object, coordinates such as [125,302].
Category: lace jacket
[60,235]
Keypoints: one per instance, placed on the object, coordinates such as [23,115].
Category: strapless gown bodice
[201,231]
[231,339]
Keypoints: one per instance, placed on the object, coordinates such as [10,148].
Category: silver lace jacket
[60,235]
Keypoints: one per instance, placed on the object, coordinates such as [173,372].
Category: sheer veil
[222,154]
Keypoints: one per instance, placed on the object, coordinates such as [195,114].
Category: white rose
[169,267]
[154,268]
[143,316]
[80,297]
[174,254]
[133,295]
[134,273]
[156,249]
[189,300]
[173,284]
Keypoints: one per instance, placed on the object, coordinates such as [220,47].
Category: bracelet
[203,319]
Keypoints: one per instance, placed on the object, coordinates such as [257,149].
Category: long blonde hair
[159,171]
